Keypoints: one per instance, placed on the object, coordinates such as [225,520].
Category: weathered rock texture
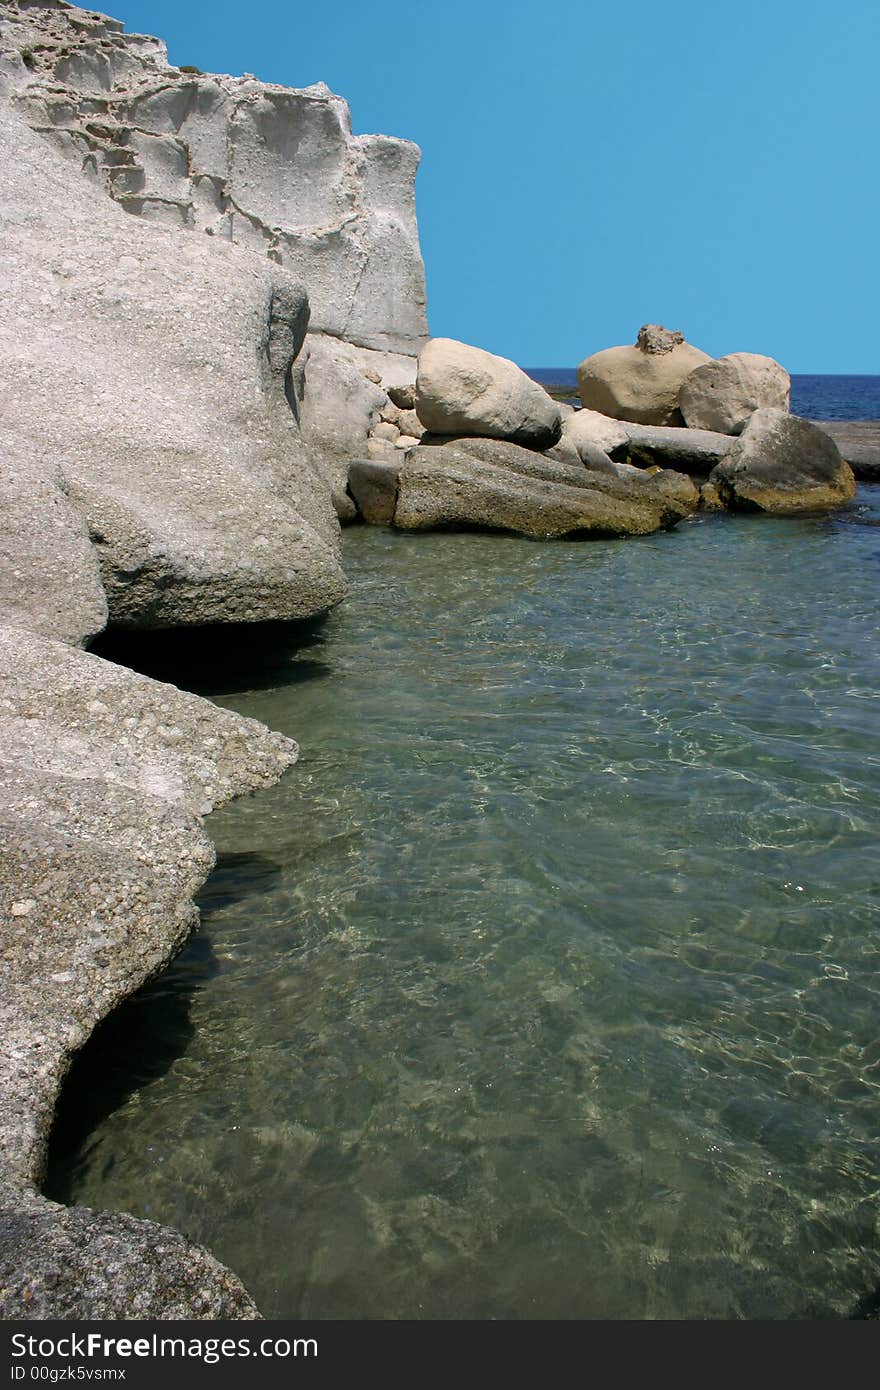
[722,394]
[273,168]
[640,383]
[464,390]
[784,465]
[499,485]
[105,777]
[151,369]
[50,579]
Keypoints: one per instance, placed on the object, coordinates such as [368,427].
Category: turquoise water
[548,983]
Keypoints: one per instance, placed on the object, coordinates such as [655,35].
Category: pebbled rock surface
[640,383]
[501,486]
[465,390]
[784,465]
[50,579]
[105,776]
[722,394]
[272,168]
[152,369]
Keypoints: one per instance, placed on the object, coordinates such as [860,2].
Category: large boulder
[463,390]
[501,486]
[722,394]
[784,465]
[640,383]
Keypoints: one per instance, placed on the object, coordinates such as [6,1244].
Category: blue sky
[592,166]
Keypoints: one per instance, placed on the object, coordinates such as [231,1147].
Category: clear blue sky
[591,166]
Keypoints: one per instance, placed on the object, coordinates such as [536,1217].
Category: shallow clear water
[548,984]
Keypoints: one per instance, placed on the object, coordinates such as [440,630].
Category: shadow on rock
[222,660]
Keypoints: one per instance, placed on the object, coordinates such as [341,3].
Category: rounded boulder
[723,394]
[463,390]
[640,383]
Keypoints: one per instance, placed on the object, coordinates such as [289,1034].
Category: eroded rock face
[640,383]
[784,465]
[465,390]
[152,369]
[722,394]
[499,485]
[272,168]
[105,777]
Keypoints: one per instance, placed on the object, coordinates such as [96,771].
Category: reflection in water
[547,984]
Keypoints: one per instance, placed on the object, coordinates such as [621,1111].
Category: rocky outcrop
[640,383]
[463,390]
[501,486]
[106,777]
[272,168]
[722,394]
[152,369]
[784,465]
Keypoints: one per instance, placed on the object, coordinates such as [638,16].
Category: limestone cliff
[166,239]
[269,167]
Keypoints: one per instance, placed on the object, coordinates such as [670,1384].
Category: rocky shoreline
[213,350]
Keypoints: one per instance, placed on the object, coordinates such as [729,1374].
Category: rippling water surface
[547,985]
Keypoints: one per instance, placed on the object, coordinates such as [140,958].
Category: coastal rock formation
[106,776]
[722,394]
[501,486]
[784,465]
[273,168]
[151,368]
[464,390]
[640,383]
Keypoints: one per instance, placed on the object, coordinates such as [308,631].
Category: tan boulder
[640,383]
[463,390]
[722,394]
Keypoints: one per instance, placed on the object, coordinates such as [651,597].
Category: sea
[813,397]
[547,985]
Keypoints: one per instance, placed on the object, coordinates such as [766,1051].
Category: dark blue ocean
[815,397]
